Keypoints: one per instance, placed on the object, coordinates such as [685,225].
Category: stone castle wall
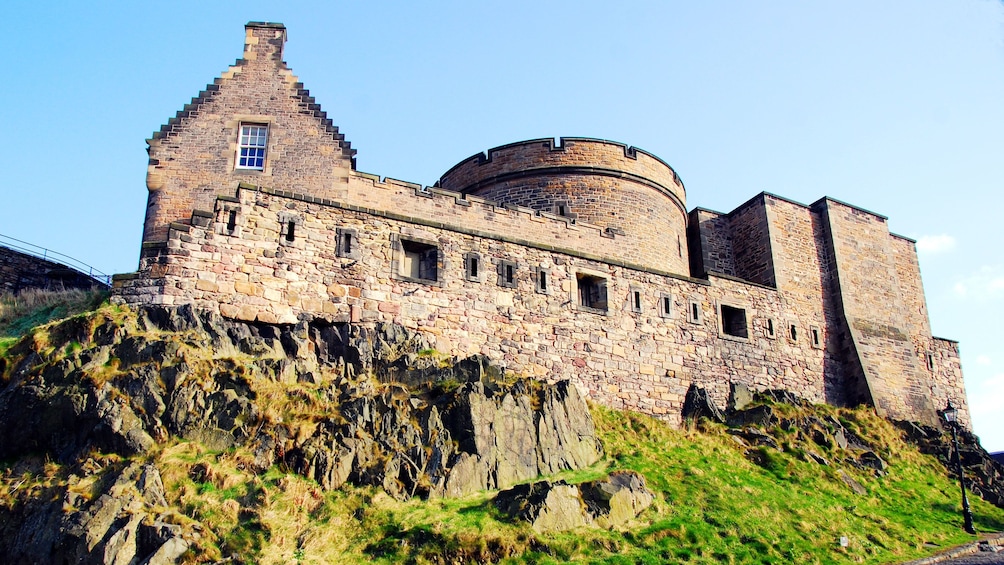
[643,360]
[857,288]
[20,271]
[636,358]
[751,242]
[882,326]
[710,241]
[568,261]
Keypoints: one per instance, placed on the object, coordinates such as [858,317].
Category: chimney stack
[264,40]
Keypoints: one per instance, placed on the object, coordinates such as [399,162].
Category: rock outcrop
[121,526]
[559,506]
[751,418]
[335,403]
[984,474]
[476,437]
[756,422]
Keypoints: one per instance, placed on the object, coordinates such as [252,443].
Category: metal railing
[54,257]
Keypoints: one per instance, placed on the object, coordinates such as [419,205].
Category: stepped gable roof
[307,103]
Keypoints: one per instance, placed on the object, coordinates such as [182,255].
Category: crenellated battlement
[537,157]
[602,182]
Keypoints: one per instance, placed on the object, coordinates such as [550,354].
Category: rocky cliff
[86,404]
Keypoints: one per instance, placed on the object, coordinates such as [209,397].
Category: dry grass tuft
[28,301]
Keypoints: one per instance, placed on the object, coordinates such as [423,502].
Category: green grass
[721,507]
[713,505]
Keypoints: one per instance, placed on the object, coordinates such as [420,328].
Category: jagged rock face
[698,404]
[475,438]
[119,527]
[558,506]
[753,421]
[547,506]
[398,416]
[749,417]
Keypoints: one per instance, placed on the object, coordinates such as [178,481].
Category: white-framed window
[634,297]
[251,146]
[816,337]
[694,311]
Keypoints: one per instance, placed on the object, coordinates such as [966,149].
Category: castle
[574,259]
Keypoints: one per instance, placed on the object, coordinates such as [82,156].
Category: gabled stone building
[574,259]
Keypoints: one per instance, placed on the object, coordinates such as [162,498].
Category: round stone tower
[630,193]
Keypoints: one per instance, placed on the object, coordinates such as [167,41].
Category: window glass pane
[252,143]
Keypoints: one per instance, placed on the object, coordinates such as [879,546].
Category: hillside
[173,435]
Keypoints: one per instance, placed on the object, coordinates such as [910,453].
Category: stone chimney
[264,40]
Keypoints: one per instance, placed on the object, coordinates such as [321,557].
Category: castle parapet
[605,183]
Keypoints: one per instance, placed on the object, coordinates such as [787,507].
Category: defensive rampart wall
[630,352]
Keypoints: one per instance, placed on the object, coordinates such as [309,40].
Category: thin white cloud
[935,244]
[985,284]
[986,397]
[983,360]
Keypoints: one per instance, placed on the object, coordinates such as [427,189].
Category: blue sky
[895,106]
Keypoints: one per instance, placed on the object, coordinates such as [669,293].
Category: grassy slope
[21,312]
[713,505]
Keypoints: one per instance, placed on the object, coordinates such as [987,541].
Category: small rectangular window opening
[419,260]
[694,312]
[542,276]
[634,300]
[592,291]
[562,208]
[232,220]
[734,321]
[252,143]
[347,243]
[290,230]
[770,327]
[793,332]
[665,305]
[814,336]
[930,361]
[472,267]
[507,274]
